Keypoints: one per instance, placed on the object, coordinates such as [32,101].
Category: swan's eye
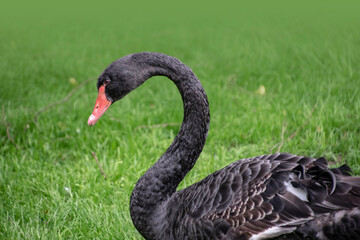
[107,81]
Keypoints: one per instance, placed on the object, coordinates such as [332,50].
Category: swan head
[118,79]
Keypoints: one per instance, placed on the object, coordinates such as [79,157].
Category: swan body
[281,195]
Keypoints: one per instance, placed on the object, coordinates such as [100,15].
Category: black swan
[280,195]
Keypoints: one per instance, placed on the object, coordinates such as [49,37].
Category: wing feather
[262,195]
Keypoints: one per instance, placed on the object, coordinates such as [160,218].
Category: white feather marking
[272,232]
[330,205]
[300,193]
[280,230]
[340,214]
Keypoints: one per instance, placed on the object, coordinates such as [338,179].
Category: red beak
[101,105]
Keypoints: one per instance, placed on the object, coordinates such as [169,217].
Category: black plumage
[255,198]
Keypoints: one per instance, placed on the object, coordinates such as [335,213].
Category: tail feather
[341,225]
[336,207]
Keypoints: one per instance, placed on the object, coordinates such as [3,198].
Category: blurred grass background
[279,75]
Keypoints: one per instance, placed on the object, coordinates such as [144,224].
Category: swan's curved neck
[161,180]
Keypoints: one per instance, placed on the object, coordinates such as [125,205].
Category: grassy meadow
[279,77]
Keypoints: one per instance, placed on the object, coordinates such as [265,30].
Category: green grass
[306,56]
